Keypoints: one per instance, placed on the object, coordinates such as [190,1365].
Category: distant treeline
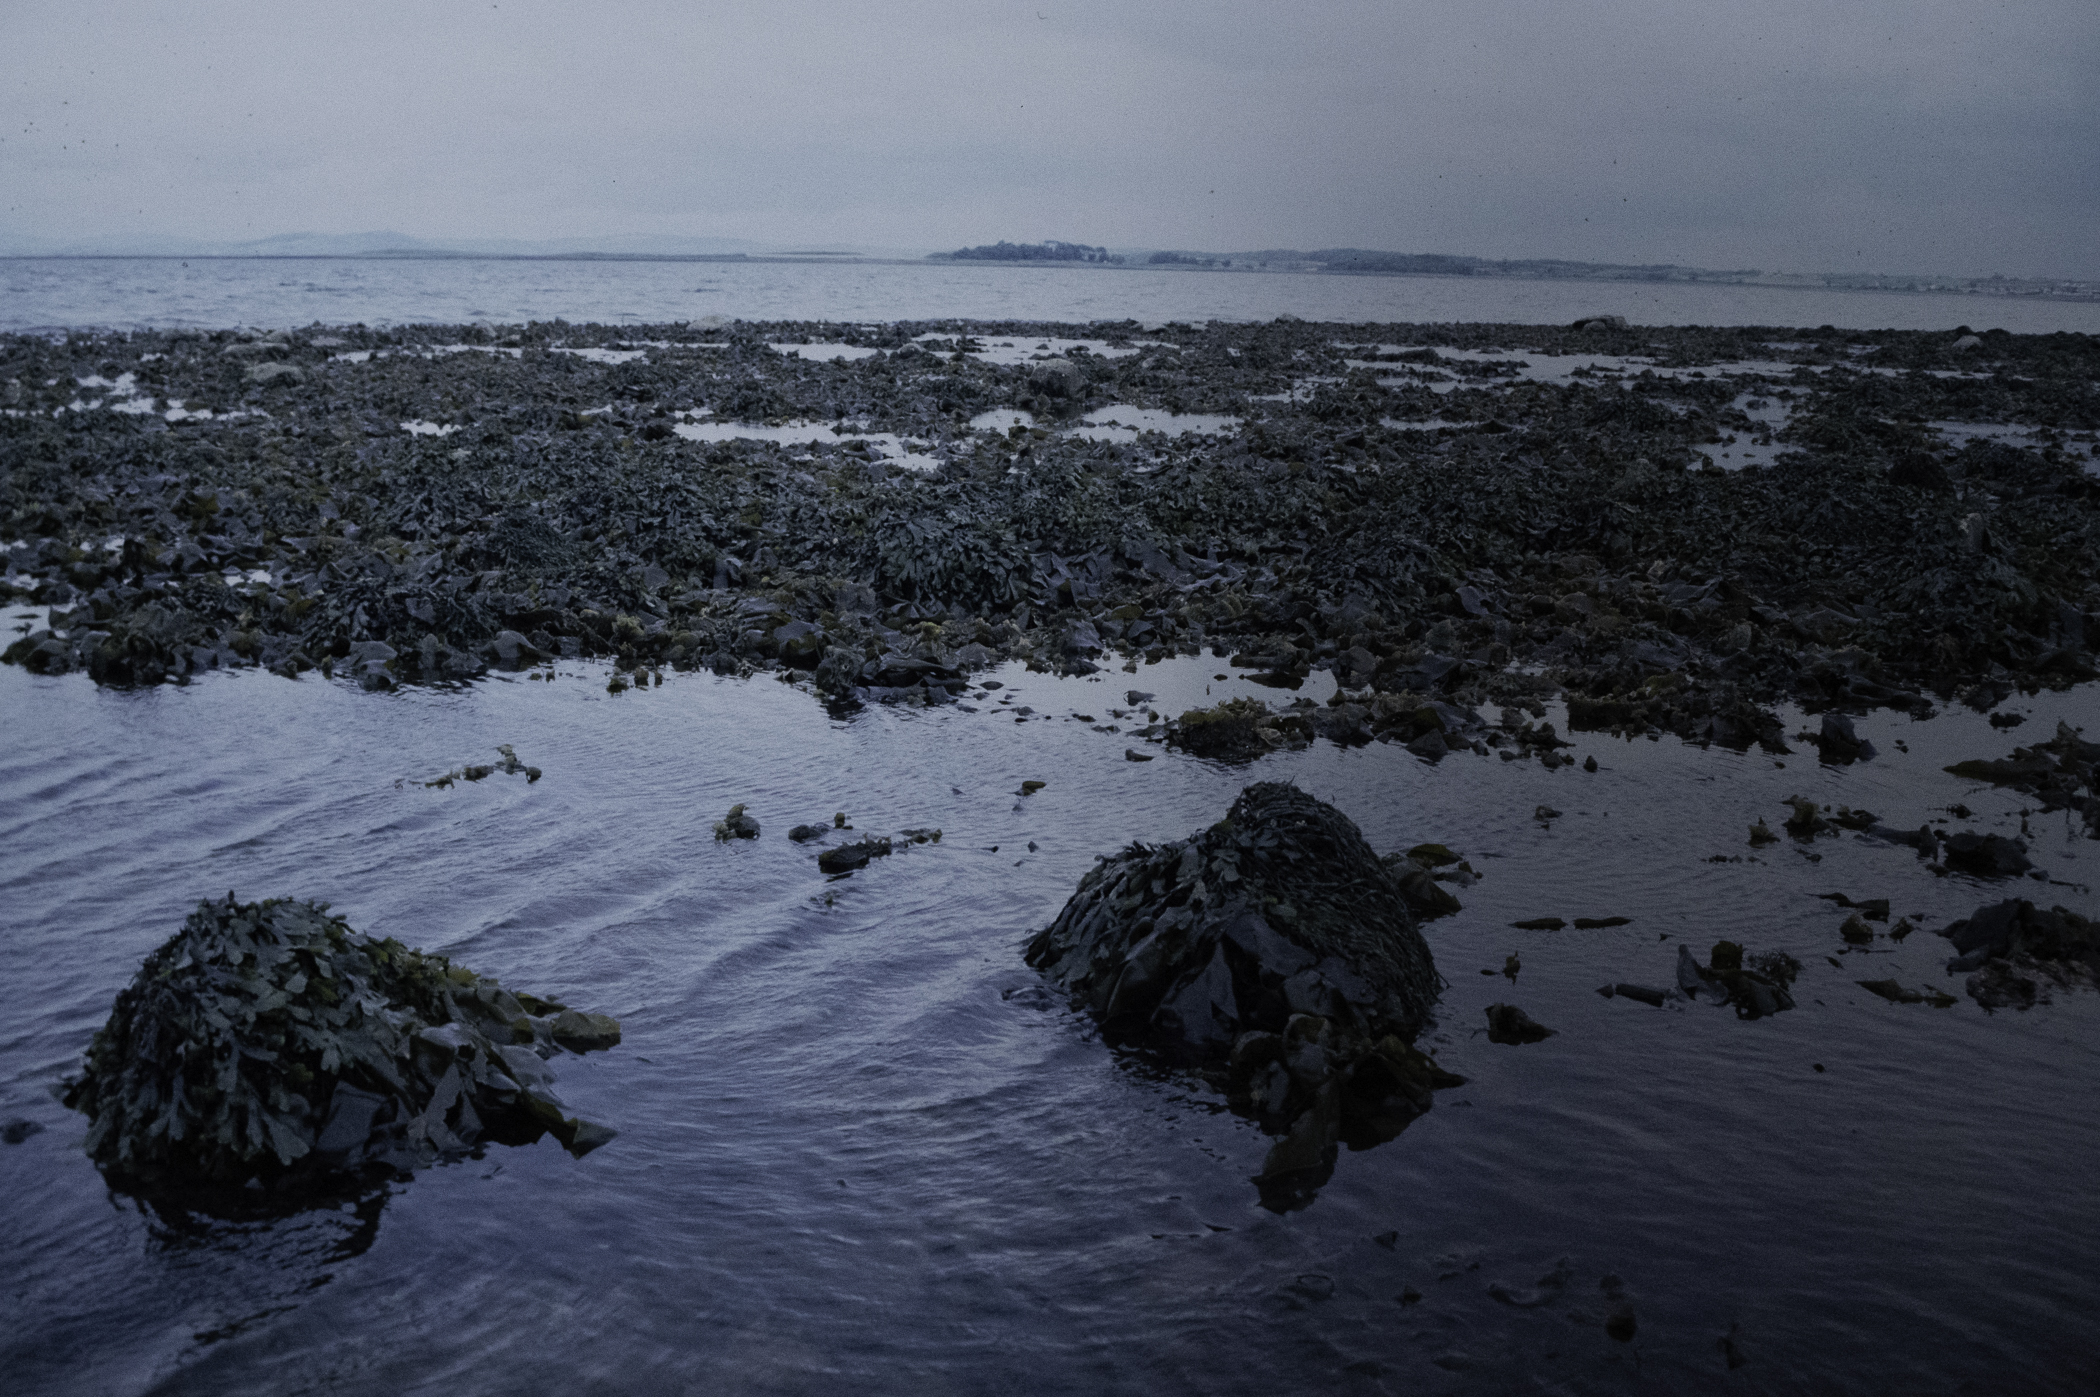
[1051,251]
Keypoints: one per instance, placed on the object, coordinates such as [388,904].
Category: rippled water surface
[167,292]
[847,1164]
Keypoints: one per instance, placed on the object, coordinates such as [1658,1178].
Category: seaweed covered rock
[1758,986]
[1422,885]
[735,825]
[268,1050]
[2017,951]
[1231,730]
[1275,953]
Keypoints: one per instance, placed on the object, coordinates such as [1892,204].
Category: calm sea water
[43,293]
[848,1164]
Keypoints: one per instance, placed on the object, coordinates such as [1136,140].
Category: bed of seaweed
[413,505]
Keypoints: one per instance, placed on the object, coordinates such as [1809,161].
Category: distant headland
[1356,261]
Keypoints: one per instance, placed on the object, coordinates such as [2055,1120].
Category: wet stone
[268,1046]
[846,858]
[1509,1024]
[1274,954]
[2016,954]
[1645,994]
[736,825]
[1756,985]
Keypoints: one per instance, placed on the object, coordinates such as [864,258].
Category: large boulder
[1059,378]
[1273,952]
[268,1051]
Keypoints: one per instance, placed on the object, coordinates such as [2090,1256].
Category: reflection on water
[825,353]
[1120,423]
[886,446]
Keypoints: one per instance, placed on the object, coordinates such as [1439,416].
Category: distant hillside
[380,244]
[1357,259]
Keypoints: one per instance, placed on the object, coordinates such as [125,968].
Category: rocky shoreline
[1440,515]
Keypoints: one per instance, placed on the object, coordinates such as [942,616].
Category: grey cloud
[1917,136]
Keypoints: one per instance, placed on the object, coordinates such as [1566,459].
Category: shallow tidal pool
[857,1154]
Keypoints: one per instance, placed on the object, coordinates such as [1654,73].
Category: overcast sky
[1854,135]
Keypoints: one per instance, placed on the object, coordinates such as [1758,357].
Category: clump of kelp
[1273,953]
[269,1053]
[2016,953]
[1549,537]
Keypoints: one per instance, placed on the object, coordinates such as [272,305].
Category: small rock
[1509,1024]
[1897,994]
[736,825]
[1430,746]
[20,1129]
[1839,743]
[848,857]
[582,1033]
[1621,1325]
[1642,993]
[1540,924]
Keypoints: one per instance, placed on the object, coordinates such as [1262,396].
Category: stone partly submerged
[267,1054]
[1758,986]
[2016,953]
[1275,954]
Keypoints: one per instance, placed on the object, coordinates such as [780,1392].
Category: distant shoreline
[2009,289]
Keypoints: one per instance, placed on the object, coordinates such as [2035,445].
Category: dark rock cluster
[1273,952]
[1547,536]
[267,1052]
[1757,986]
[2014,953]
[2062,773]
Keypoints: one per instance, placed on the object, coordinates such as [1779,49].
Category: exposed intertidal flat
[1678,527]
[822,738]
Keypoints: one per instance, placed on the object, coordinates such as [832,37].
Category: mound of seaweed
[267,1050]
[2018,951]
[1276,954]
